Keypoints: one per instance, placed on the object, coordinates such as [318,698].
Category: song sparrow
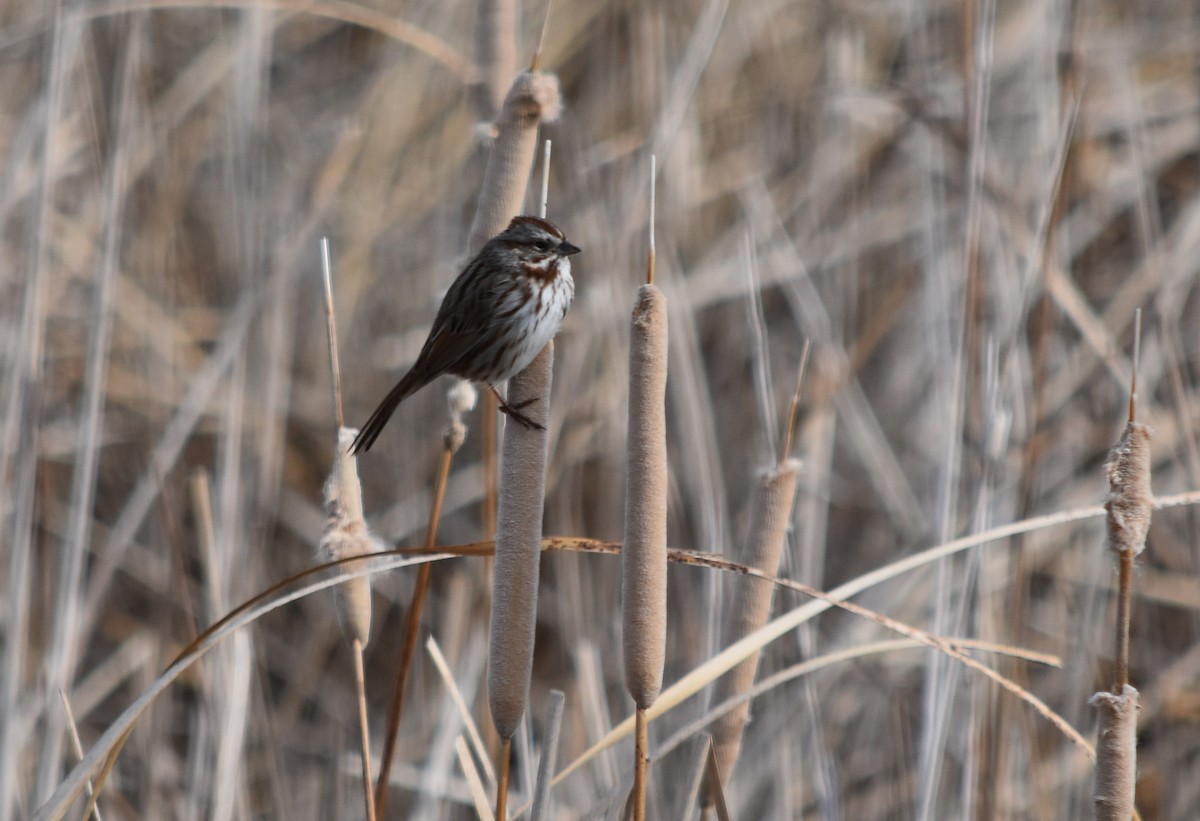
[497,316]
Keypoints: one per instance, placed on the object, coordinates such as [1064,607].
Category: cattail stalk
[751,604]
[1129,506]
[644,551]
[541,809]
[532,99]
[518,552]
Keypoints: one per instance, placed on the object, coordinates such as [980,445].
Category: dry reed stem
[805,668]
[346,535]
[340,10]
[541,807]
[644,551]
[689,798]
[641,754]
[77,747]
[460,704]
[364,729]
[1116,754]
[518,548]
[502,779]
[750,606]
[335,365]
[715,795]
[474,783]
[452,440]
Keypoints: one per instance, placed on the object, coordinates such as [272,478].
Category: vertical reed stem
[502,779]
[364,729]
[641,746]
[412,626]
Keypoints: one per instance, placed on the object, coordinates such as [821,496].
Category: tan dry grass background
[961,205]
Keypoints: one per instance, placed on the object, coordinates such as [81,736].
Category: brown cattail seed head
[644,554]
[518,548]
[750,605]
[1130,501]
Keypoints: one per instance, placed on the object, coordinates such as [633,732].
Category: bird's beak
[566,249]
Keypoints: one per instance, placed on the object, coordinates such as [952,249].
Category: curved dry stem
[827,660]
[353,13]
[290,589]
[699,678]
[307,583]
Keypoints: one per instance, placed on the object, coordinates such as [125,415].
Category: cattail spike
[1137,353]
[331,326]
[794,408]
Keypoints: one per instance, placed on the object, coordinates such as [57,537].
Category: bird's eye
[542,245]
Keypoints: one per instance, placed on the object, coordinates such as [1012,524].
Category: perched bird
[499,313]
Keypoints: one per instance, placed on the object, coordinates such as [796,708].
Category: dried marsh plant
[750,603]
[346,535]
[1128,510]
[644,550]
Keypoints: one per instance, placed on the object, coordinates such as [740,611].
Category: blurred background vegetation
[960,204]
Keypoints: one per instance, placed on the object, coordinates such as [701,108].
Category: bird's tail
[412,382]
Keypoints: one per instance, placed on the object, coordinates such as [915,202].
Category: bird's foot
[514,411]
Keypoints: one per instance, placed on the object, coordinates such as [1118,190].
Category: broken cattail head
[535,95]
[1130,501]
[346,535]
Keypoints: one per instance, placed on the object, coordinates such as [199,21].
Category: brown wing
[465,327]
